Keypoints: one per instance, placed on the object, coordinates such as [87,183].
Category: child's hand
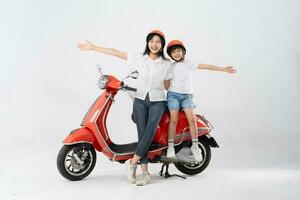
[230,69]
[86,46]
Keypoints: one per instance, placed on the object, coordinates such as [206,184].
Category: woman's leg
[140,112]
[156,110]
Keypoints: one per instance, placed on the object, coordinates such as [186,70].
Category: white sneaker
[171,152]
[196,153]
[143,179]
[131,170]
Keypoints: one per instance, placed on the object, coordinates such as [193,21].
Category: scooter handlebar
[126,87]
[130,88]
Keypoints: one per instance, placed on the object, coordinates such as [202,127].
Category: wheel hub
[75,164]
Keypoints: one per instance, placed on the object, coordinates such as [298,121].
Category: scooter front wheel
[194,168]
[75,162]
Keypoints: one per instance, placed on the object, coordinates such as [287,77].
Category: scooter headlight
[103,82]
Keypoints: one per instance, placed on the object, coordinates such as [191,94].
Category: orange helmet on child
[173,44]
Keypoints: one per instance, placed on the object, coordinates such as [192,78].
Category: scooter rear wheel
[75,162]
[196,168]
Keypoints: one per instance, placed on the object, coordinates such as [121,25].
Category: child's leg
[173,105]
[173,124]
[192,122]
[171,133]
[194,133]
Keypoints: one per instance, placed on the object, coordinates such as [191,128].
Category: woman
[149,102]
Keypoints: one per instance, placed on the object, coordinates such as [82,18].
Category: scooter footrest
[165,159]
[154,146]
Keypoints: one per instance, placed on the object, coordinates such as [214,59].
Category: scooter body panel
[182,130]
[95,120]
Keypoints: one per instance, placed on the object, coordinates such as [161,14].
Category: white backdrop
[47,83]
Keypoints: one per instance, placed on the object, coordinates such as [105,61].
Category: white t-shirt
[151,76]
[181,81]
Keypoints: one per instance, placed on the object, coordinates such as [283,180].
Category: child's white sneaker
[196,153]
[143,179]
[171,152]
[131,170]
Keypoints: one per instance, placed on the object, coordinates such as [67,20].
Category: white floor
[33,175]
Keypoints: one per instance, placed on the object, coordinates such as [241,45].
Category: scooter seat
[166,111]
[129,148]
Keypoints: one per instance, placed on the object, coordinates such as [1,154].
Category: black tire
[192,169]
[69,167]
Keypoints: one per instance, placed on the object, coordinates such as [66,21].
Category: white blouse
[152,74]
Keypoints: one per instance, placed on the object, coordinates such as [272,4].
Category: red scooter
[77,158]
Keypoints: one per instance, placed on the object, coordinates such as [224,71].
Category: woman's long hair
[163,42]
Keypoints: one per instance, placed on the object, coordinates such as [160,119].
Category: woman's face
[177,54]
[155,44]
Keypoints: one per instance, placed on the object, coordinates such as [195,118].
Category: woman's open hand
[86,46]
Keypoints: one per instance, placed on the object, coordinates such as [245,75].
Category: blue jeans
[147,116]
[179,100]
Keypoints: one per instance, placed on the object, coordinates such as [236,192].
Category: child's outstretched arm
[228,69]
[109,51]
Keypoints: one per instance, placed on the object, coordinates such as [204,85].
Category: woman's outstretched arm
[109,51]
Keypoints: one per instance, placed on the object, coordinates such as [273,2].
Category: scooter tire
[64,155]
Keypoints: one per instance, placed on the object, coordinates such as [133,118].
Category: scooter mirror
[99,69]
[134,74]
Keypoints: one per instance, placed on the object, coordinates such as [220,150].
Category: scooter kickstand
[167,174]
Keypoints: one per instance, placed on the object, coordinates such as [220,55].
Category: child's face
[177,54]
[155,44]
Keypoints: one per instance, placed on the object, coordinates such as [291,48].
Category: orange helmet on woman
[157,32]
[175,44]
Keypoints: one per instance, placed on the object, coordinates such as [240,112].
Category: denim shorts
[176,101]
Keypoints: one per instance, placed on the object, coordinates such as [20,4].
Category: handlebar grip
[130,88]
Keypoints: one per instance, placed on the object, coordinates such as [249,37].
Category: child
[180,95]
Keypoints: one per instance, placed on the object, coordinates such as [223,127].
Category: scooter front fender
[81,135]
